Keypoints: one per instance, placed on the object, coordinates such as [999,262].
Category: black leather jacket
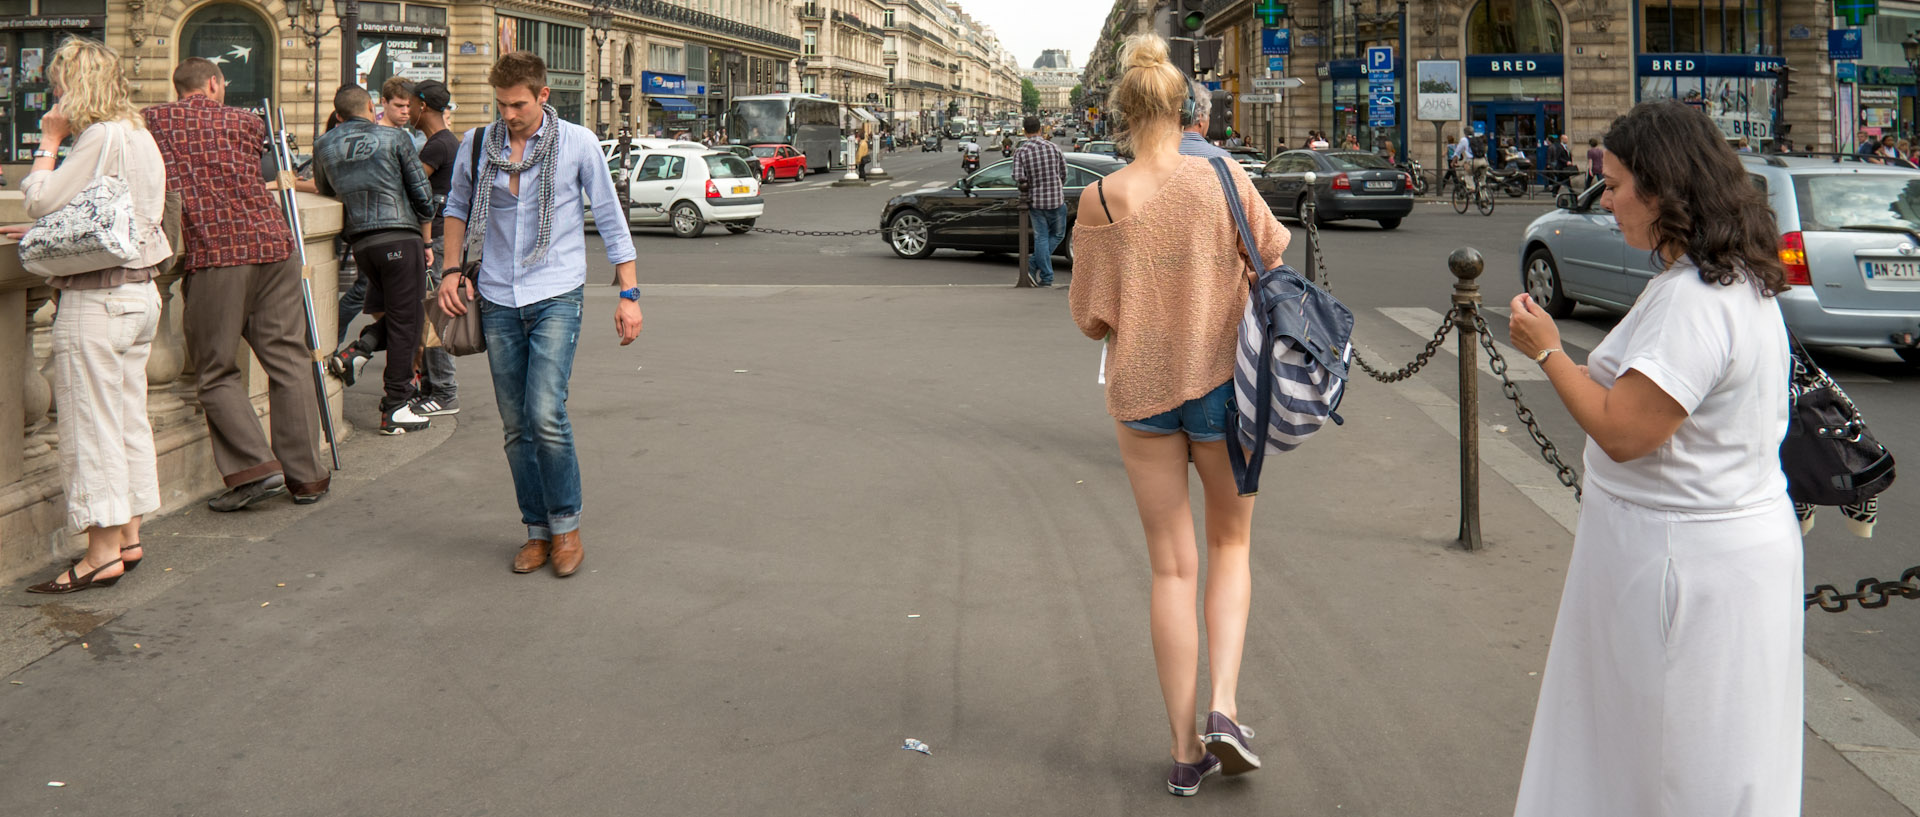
[376,172]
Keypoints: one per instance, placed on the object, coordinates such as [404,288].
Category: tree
[1077,98]
[1029,96]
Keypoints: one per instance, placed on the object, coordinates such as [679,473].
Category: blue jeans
[530,351]
[1049,227]
[1203,418]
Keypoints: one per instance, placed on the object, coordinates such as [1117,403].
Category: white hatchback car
[688,190]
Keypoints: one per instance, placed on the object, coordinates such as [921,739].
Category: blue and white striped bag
[1290,365]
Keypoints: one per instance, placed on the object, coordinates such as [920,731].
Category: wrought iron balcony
[712,23]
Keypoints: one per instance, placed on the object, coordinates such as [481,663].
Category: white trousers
[101,341]
[1673,684]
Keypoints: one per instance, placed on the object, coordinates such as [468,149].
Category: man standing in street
[377,175]
[440,395]
[1193,125]
[396,109]
[243,283]
[527,209]
[1039,166]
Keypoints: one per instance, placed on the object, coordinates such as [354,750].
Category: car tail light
[1408,179]
[1793,255]
[1341,182]
[713,190]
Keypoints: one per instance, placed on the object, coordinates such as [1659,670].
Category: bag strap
[1246,470]
[479,146]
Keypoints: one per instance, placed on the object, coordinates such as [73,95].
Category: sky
[1028,27]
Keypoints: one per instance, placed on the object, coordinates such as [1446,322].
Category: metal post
[1025,278]
[1467,265]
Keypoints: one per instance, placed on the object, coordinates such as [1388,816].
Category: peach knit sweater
[1169,283]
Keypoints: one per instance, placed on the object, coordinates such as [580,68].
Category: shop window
[565,48]
[1514,27]
[379,12]
[426,15]
[70,8]
[241,42]
[1672,29]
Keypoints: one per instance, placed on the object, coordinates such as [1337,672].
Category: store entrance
[1524,126]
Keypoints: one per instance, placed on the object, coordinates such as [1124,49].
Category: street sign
[1278,82]
[1276,64]
[1381,99]
[1844,44]
[1276,42]
[1260,99]
[1380,58]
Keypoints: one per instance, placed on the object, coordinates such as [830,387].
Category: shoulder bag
[1829,456]
[1290,365]
[461,334]
[97,230]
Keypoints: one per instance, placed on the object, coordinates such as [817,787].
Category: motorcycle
[1514,173]
[1006,147]
[970,160]
[1412,168]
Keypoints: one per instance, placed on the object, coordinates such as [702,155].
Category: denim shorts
[1203,418]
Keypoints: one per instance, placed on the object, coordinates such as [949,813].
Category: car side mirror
[1568,201]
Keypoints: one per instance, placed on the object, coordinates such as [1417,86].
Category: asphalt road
[1371,270]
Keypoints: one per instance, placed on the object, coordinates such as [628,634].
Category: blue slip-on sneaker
[1229,741]
[1185,778]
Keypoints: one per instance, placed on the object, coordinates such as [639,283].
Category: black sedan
[1347,184]
[908,222]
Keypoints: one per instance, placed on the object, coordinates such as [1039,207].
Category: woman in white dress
[1673,685]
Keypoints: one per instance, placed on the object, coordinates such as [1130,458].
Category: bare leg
[1229,579]
[1157,469]
[130,540]
[103,548]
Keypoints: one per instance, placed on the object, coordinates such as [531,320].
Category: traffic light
[1180,53]
[1190,16]
[1219,115]
[1782,84]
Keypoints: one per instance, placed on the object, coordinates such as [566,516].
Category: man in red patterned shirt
[243,283]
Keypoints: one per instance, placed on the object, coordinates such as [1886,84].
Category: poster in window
[30,66]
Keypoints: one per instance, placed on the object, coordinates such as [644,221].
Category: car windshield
[1357,161]
[761,120]
[728,167]
[1842,201]
[763,152]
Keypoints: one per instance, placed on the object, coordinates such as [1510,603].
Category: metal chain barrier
[930,223]
[1512,390]
[1319,263]
[1871,594]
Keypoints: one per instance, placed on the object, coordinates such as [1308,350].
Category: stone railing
[32,505]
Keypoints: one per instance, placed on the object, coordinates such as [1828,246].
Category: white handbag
[97,230]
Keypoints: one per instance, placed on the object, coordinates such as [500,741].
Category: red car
[780,162]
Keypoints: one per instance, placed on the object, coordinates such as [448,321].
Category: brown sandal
[130,563]
[76,582]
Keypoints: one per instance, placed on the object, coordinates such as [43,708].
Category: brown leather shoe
[566,554]
[532,555]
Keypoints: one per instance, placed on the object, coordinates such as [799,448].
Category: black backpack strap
[1246,465]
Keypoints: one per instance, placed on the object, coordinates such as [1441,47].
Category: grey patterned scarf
[546,155]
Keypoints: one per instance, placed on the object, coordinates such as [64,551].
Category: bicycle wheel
[1460,198]
[1483,198]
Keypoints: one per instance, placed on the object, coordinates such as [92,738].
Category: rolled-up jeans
[530,352]
[101,341]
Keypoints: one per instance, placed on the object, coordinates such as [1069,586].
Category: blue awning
[673,103]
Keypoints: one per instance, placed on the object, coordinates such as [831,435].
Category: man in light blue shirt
[533,171]
[1193,139]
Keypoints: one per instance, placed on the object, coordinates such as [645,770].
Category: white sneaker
[401,420]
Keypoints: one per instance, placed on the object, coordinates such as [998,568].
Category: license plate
[1891,270]
[1381,185]
[742,189]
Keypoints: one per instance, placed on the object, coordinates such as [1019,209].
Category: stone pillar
[169,358]
[40,430]
[1810,107]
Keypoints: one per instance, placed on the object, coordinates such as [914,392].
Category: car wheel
[1909,354]
[1389,223]
[739,227]
[766,176]
[687,222]
[1542,280]
[908,234]
[1303,207]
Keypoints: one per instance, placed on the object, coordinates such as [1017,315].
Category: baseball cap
[433,94]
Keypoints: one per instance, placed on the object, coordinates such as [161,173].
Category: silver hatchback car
[1850,240]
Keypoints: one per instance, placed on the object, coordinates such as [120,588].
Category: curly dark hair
[1707,208]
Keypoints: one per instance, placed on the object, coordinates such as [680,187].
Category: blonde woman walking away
[1161,275]
[104,325]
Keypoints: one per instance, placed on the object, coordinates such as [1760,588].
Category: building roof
[1054,58]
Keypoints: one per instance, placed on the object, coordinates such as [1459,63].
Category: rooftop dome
[1053,58]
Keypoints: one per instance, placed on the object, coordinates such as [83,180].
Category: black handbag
[1829,456]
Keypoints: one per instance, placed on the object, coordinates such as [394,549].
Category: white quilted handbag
[97,230]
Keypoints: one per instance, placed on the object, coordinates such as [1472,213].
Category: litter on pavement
[917,746]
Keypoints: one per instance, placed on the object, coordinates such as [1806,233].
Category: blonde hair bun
[1149,94]
[1145,51]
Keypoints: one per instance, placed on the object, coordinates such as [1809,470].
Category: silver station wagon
[1850,239]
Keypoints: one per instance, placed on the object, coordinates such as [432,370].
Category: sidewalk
[819,521]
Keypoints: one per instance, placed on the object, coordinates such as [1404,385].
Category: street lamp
[313,35]
[349,13]
[600,19]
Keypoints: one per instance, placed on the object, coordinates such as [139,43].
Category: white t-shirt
[1721,353]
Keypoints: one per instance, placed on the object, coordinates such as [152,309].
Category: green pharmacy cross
[1856,12]
[1270,12]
